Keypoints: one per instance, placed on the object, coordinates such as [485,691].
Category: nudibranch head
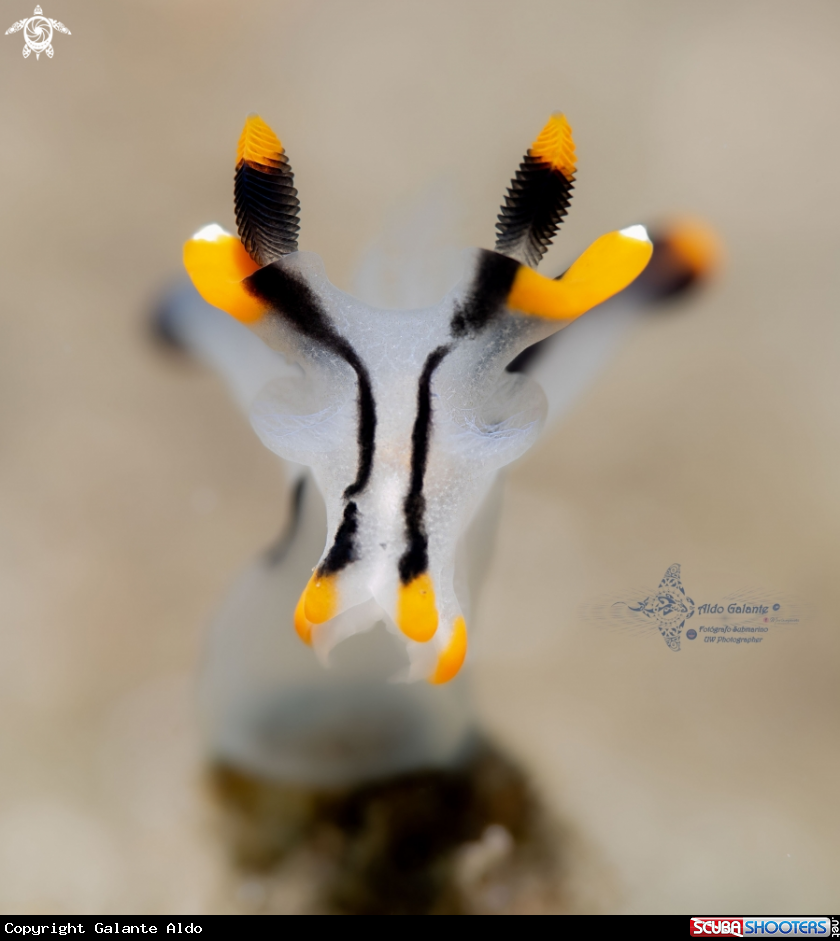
[404,417]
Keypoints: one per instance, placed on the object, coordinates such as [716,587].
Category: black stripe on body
[536,204]
[415,559]
[487,295]
[344,550]
[293,299]
[267,208]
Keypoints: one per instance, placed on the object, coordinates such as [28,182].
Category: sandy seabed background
[132,492]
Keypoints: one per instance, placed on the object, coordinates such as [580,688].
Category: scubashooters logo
[741,619]
[812,926]
[38,33]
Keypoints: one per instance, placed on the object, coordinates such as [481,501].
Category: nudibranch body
[404,417]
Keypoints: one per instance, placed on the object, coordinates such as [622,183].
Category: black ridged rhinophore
[537,201]
[267,208]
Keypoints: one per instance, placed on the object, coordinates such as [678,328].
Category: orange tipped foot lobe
[303,627]
[265,198]
[539,195]
[320,598]
[417,615]
[452,657]
[218,264]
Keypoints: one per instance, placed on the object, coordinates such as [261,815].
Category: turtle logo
[38,33]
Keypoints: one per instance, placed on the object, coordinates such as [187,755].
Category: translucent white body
[269,704]
[482,418]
